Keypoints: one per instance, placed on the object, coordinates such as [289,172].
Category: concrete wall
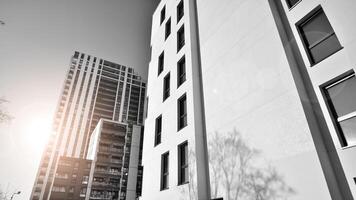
[248,87]
[193,133]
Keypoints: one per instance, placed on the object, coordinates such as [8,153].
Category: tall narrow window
[160,63]
[318,36]
[180,38]
[166,86]
[182,112]
[180,10]
[181,71]
[183,163]
[163,14]
[168,28]
[158,130]
[340,97]
[164,171]
[291,3]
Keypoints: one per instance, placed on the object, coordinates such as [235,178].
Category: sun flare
[38,130]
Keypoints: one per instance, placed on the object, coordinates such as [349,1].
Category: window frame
[158,135]
[180,43]
[164,185]
[166,86]
[181,80]
[299,26]
[180,6]
[332,111]
[181,167]
[160,63]
[163,14]
[168,33]
[289,4]
[181,116]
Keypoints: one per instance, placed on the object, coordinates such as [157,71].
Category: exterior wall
[124,158]
[193,133]
[93,89]
[249,88]
[341,16]
[76,180]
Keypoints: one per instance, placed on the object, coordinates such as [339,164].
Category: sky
[36,43]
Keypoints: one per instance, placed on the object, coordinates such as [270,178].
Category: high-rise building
[94,89]
[269,86]
[116,171]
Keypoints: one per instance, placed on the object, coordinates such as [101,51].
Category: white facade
[171,137]
[260,86]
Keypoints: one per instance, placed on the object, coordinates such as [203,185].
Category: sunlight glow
[38,130]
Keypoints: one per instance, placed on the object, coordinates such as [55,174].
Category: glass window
[183,163]
[318,37]
[182,112]
[164,171]
[158,130]
[166,86]
[181,71]
[168,28]
[341,97]
[160,63]
[180,10]
[291,3]
[163,14]
[180,38]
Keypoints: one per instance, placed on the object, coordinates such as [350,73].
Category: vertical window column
[183,163]
[166,86]
[182,112]
[158,130]
[164,171]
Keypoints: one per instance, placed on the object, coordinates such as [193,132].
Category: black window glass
[343,96]
[318,36]
[168,28]
[181,71]
[160,63]
[180,11]
[163,14]
[291,3]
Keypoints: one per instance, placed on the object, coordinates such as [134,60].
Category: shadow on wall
[233,174]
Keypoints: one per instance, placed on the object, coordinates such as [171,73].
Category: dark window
[158,130]
[180,38]
[164,171]
[163,14]
[318,36]
[341,96]
[291,3]
[180,10]
[183,163]
[160,63]
[182,112]
[166,86]
[168,28]
[181,71]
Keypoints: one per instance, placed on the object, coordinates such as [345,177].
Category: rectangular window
[166,86]
[163,14]
[168,28]
[291,3]
[183,163]
[180,10]
[180,38]
[164,171]
[160,63]
[340,96]
[318,36]
[181,71]
[158,130]
[182,112]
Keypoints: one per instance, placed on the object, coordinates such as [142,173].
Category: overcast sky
[35,47]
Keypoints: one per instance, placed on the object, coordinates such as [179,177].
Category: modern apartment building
[71,179]
[269,85]
[115,153]
[94,89]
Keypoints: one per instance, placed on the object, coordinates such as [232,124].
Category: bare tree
[4,116]
[233,174]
